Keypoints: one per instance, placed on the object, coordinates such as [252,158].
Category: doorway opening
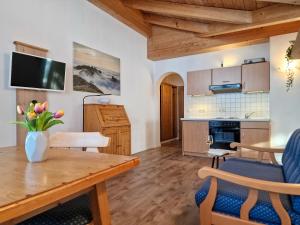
[171,107]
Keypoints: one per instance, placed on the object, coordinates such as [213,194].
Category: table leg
[99,205]
[213,162]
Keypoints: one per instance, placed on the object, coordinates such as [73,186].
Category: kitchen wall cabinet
[226,75]
[194,137]
[253,133]
[256,77]
[198,82]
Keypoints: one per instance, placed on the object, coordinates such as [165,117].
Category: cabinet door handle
[226,81]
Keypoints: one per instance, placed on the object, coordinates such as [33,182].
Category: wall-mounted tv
[33,72]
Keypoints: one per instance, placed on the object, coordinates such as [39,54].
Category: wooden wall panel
[23,97]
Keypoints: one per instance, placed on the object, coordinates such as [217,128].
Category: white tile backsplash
[229,105]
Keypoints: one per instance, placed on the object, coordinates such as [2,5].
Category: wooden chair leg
[213,162]
[99,205]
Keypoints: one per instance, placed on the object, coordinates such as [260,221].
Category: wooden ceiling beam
[131,17]
[187,25]
[293,2]
[192,11]
[268,16]
[167,43]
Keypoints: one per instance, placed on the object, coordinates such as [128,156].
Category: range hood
[225,88]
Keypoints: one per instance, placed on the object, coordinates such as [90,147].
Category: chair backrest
[291,165]
[78,140]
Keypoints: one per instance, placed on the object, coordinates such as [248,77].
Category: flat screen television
[33,72]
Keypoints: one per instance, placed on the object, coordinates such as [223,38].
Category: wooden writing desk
[28,189]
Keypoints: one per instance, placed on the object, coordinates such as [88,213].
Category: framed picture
[95,71]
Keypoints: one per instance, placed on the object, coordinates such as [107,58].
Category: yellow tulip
[31,115]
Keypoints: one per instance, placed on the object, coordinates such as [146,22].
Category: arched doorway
[171,107]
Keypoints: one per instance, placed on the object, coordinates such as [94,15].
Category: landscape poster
[95,71]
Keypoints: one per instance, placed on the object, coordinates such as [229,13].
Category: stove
[223,132]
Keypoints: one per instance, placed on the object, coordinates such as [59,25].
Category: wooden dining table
[28,189]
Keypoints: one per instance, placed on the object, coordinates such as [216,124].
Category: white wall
[284,106]
[55,25]
[230,57]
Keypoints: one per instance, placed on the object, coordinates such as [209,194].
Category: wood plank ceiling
[177,28]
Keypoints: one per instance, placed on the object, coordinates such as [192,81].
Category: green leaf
[31,124]
[22,123]
[40,122]
[48,117]
[52,123]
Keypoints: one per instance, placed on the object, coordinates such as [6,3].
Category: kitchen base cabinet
[253,133]
[194,137]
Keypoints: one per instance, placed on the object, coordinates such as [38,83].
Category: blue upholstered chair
[74,212]
[251,192]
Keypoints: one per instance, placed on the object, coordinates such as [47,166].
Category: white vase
[36,146]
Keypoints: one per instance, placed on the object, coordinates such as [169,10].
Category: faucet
[248,115]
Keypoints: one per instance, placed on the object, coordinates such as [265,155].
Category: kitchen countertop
[238,119]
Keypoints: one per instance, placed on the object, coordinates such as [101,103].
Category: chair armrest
[269,186]
[259,149]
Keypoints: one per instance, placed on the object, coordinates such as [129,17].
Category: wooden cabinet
[198,82]
[226,75]
[253,133]
[111,121]
[194,137]
[256,77]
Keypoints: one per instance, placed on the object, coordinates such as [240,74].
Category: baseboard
[170,140]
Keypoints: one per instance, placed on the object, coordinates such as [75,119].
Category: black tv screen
[32,72]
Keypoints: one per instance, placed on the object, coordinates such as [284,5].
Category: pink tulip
[45,106]
[38,108]
[20,110]
[58,114]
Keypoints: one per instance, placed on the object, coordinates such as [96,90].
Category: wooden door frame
[172,109]
[159,83]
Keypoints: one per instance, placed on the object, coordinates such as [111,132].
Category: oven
[222,133]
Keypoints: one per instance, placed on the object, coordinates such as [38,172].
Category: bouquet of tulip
[38,118]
